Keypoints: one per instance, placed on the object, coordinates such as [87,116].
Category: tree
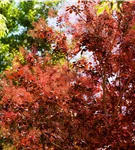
[33,114]
[88,104]
[109,40]
[52,97]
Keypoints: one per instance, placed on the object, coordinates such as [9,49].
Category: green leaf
[3,3]
[3,27]
[100,10]
[102,7]
[119,3]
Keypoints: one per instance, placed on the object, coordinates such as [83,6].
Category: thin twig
[57,146]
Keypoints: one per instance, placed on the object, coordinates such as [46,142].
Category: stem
[104,88]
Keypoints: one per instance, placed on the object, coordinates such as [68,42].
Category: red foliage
[89,105]
[36,103]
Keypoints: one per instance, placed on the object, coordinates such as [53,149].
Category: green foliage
[17,19]
[3,27]
[49,3]
[5,56]
[3,3]
[58,57]
[108,6]
[8,147]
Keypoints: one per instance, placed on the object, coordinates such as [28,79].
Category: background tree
[19,16]
[3,27]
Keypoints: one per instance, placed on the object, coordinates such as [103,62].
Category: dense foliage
[81,102]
